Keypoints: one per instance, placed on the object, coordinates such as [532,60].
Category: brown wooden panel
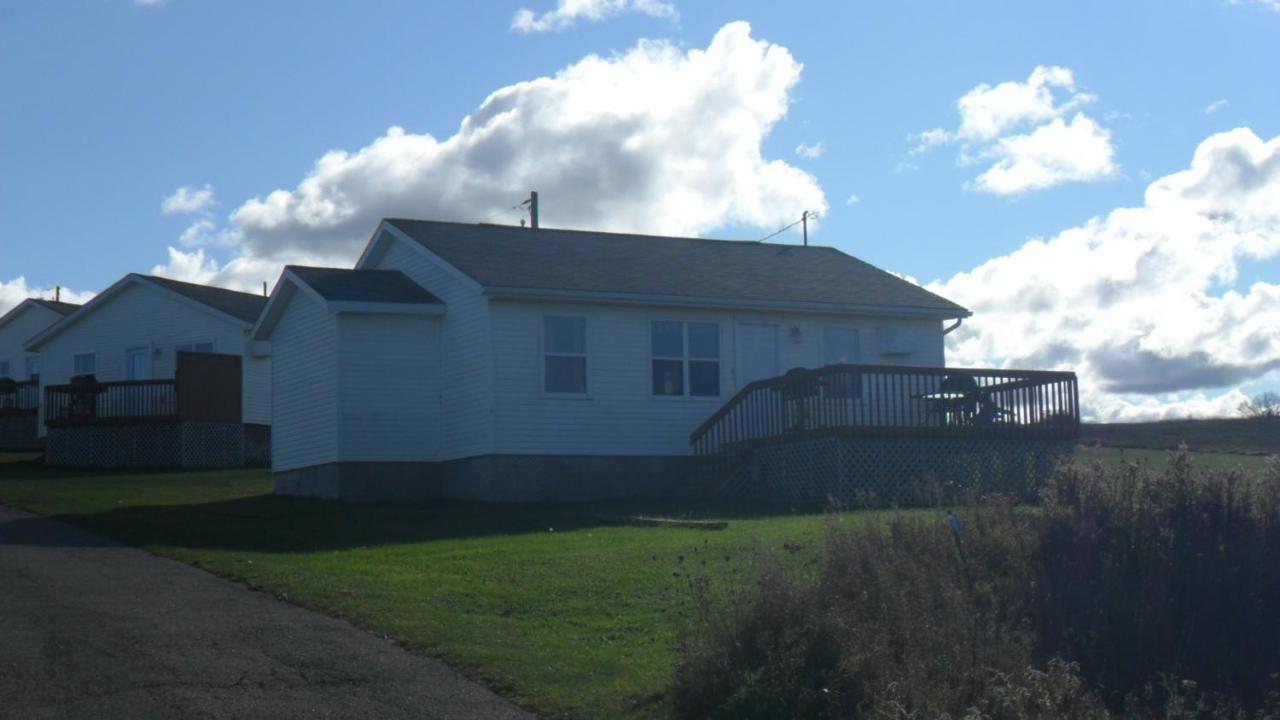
[208,387]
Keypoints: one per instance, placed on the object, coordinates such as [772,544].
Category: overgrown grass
[553,606]
[1223,435]
[1128,593]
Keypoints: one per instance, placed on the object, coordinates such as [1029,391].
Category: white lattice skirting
[878,472]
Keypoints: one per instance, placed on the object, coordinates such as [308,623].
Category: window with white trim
[842,346]
[201,347]
[686,358]
[564,354]
[84,363]
[33,368]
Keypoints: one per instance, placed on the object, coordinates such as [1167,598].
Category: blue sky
[112,105]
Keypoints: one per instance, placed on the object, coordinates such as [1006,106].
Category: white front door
[137,365]
[757,352]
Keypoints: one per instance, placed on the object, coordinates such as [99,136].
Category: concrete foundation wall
[492,478]
[159,445]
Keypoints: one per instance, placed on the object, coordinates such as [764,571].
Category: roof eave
[724,303]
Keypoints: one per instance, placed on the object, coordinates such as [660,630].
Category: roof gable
[18,310]
[506,257]
[228,305]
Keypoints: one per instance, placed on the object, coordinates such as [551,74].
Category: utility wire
[777,232]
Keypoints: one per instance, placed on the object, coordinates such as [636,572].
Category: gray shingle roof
[62,308]
[573,260]
[244,306]
[377,286]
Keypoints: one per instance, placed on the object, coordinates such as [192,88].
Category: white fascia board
[385,308]
[502,293]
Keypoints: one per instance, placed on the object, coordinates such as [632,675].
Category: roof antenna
[532,202]
[57,293]
[804,219]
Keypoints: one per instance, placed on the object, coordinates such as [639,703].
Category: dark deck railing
[19,397]
[888,400]
[106,402]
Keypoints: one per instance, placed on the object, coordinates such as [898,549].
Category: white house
[131,338]
[19,401]
[504,363]
[19,325]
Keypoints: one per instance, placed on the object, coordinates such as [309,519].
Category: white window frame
[687,391]
[75,357]
[191,347]
[544,353]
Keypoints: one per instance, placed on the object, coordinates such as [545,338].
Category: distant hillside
[1255,436]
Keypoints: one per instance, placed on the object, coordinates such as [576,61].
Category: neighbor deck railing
[897,401]
[20,397]
[106,402]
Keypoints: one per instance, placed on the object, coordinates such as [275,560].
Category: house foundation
[493,478]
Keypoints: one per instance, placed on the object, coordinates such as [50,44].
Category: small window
[564,348]
[84,363]
[203,347]
[4,368]
[33,369]
[686,358]
[841,346]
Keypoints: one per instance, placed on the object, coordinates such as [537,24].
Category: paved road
[91,629]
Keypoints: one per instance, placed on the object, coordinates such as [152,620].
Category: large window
[564,354]
[840,346]
[33,368]
[686,358]
[84,363]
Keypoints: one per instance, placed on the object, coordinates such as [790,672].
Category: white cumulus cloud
[1142,301]
[1032,135]
[657,139]
[810,151]
[568,12]
[186,200]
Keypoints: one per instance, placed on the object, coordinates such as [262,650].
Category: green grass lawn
[552,606]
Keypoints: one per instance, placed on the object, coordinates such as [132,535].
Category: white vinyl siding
[84,363]
[305,389]
[467,346]
[389,384]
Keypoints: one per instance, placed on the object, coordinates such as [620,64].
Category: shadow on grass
[267,523]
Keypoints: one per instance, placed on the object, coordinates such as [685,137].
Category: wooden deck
[206,388]
[896,401]
[19,398]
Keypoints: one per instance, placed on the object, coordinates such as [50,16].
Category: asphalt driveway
[93,629]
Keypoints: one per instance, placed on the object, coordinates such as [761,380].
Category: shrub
[1156,593]
[1173,574]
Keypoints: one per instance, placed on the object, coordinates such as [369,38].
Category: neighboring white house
[134,330]
[19,325]
[554,364]
[20,370]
